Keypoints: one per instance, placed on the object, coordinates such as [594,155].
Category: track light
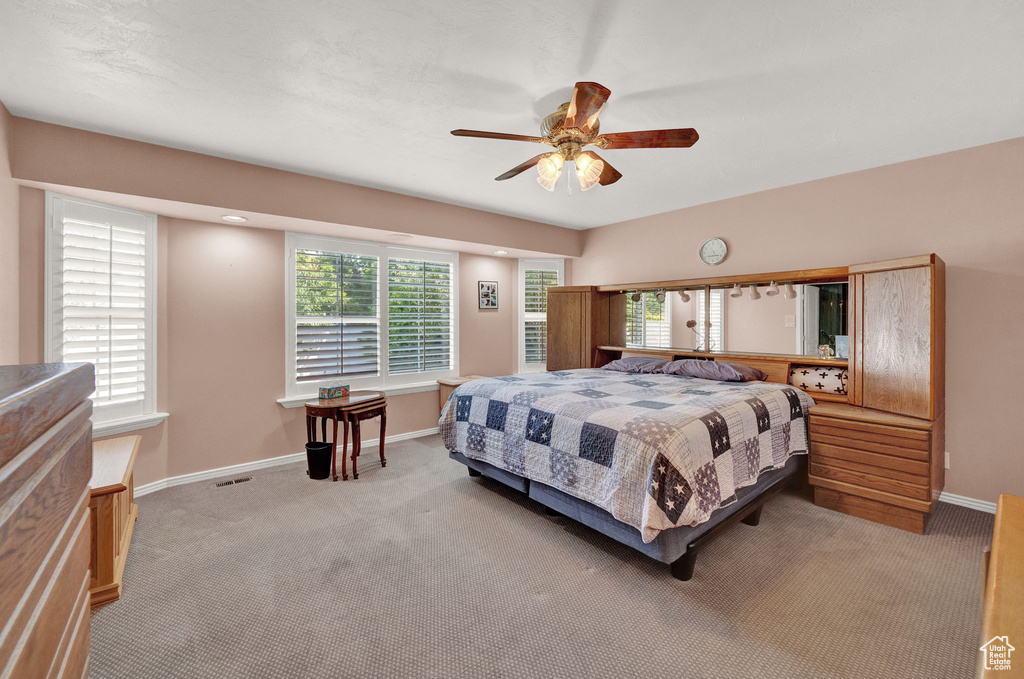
[772,290]
[754,294]
[736,291]
[636,296]
[789,292]
[660,296]
[683,295]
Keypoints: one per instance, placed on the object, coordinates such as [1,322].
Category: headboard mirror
[766,318]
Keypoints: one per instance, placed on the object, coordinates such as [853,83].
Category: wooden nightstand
[113,513]
[447,386]
[878,466]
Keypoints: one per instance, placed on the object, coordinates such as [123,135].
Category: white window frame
[522,316]
[108,419]
[296,392]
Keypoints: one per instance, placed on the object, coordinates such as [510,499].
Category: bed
[662,463]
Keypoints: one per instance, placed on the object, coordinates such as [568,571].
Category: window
[648,321]
[101,303]
[535,277]
[717,319]
[368,315]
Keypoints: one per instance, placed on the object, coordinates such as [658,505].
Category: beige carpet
[417,570]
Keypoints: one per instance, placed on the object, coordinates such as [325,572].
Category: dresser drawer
[883,440]
[870,477]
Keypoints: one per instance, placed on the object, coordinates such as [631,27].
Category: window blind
[100,303]
[419,316]
[535,309]
[337,330]
[647,322]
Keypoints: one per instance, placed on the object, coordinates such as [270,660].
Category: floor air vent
[233,481]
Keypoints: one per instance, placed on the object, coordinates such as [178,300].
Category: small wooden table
[336,409]
[366,411]
[113,509]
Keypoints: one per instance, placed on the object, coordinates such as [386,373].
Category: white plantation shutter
[419,316]
[535,277]
[337,324]
[368,315]
[717,318]
[647,321]
[101,300]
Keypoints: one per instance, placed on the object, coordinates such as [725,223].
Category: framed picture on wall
[488,294]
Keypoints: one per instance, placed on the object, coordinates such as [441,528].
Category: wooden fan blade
[649,139]
[609,175]
[497,135]
[521,167]
[587,101]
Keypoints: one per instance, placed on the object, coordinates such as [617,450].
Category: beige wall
[967,206]
[9,300]
[221,343]
[62,156]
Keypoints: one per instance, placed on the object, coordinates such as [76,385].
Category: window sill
[127,424]
[299,401]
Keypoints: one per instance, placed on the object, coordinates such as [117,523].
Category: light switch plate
[790,321]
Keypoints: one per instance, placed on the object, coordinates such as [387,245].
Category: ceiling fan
[575,125]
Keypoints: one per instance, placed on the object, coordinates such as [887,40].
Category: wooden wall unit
[112,512]
[580,320]
[877,452]
[45,465]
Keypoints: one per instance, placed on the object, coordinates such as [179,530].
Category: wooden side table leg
[323,425]
[356,444]
[334,450]
[344,445]
[310,430]
[383,428]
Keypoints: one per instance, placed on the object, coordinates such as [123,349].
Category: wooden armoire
[876,452]
[45,464]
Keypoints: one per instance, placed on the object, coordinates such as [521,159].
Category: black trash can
[318,459]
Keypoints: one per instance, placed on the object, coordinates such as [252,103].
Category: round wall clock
[713,251]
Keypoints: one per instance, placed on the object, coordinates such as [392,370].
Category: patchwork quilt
[655,451]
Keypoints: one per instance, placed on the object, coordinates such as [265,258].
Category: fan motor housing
[553,125]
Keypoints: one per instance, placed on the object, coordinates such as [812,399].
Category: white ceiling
[366,92]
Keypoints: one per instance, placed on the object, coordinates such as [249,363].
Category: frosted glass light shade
[549,170]
[589,171]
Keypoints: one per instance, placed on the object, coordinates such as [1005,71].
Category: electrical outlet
[947,459]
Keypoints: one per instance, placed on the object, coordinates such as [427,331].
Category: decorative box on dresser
[882,455]
[45,465]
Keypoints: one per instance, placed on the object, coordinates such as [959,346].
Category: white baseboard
[980,505]
[258,464]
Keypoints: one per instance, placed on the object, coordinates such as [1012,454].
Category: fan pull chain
[568,184]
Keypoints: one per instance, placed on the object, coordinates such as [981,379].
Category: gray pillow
[636,364]
[714,370]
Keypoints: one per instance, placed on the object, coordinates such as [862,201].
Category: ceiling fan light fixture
[549,169]
[589,171]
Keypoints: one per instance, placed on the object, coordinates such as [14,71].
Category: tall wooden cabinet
[882,457]
[45,465]
[581,319]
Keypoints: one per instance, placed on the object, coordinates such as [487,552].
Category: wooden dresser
[882,456]
[878,466]
[112,511]
[45,465]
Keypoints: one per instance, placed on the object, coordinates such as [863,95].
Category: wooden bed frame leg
[754,517]
[473,472]
[682,568]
